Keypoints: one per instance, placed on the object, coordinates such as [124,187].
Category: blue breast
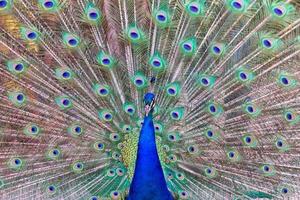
[148,180]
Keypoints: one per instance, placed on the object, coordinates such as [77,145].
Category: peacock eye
[183,195]
[161,17]
[248,139]
[267,43]
[210,133]
[284,190]
[194,8]
[171,137]
[134,35]
[19,67]
[187,47]
[172,158]
[279,143]
[139,82]
[289,116]
[237,5]
[180,176]
[114,137]
[266,168]
[34,129]
[93,15]
[108,116]
[3,4]
[32,35]
[78,129]
[205,81]
[212,108]
[115,195]
[243,76]
[77,167]
[66,102]
[175,115]
[48,4]
[66,74]
[51,188]
[73,42]
[278,11]
[192,149]
[171,91]
[20,97]
[17,161]
[250,109]
[216,49]
[231,154]
[210,172]
[106,61]
[156,63]
[55,152]
[285,81]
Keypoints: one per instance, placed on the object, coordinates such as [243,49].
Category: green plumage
[225,74]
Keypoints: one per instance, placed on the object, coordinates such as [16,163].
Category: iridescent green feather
[105,115]
[215,108]
[237,6]
[244,75]
[173,89]
[269,43]
[30,34]
[64,102]
[17,98]
[92,14]
[251,109]
[162,17]
[32,130]
[64,74]
[205,81]
[105,60]
[250,140]
[70,40]
[135,35]
[157,62]
[102,90]
[188,46]
[177,113]
[49,6]
[17,66]
[195,8]
[6,6]
[139,80]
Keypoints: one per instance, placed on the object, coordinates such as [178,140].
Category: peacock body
[149,99]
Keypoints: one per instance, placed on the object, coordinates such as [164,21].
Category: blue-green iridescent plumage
[79,118]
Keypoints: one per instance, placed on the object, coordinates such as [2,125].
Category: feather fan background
[72,78]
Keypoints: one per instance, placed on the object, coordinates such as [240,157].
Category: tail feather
[72,79]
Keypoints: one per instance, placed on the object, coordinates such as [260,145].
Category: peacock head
[149,100]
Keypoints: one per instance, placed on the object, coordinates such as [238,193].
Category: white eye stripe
[152,104]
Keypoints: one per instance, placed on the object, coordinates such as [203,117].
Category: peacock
[149,99]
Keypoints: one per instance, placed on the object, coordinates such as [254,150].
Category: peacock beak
[149,107]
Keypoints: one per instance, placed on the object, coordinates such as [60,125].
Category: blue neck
[148,181]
